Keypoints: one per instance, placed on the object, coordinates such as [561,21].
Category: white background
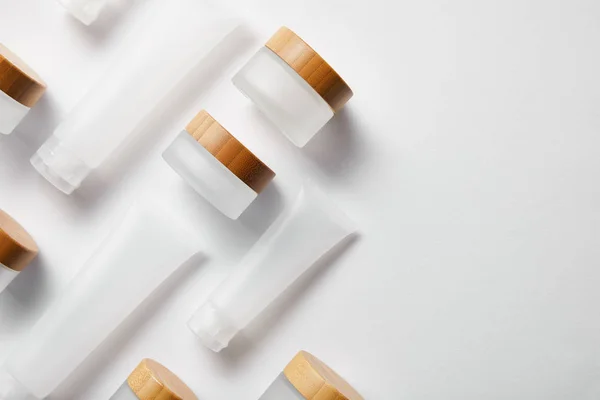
[469,157]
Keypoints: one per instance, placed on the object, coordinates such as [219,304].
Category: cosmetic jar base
[59,165]
[280,389]
[85,11]
[7,275]
[211,179]
[212,327]
[283,96]
[11,113]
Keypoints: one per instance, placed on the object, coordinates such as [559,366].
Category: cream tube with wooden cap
[17,249]
[217,165]
[293,86]
[308,378]
[20,89]
[152,381]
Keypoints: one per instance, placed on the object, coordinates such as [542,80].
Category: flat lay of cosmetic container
[122,103]
[304,232]
[220,168]
[20,89]
[86,11]
[308,378]
[17,249]
[149,244]
[152,381]
[293,86]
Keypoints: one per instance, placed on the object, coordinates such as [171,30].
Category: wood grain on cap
[311,67]
[17,247]
[152,381]
[230,152]
[316,381]
[18,80]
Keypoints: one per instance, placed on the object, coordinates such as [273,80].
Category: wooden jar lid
[150,381]
[316,381]
[311,67]
[229,151]
[18,80]
[17,247]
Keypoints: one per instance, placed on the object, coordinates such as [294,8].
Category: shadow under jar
[220,168]
[293,86]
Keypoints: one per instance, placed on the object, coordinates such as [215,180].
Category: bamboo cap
[18,80]
[229,151]
[152,381]
[316,381]
[17,247]
[311,67]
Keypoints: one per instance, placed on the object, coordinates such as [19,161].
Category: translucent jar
[221,169]
[293,86]
[20,89]
[86,11]
[308,378]
[17,249]
[151,380]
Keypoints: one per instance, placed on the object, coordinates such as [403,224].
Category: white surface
[468,158]
[211,179]
[302,235]
[11,113]
[278,91]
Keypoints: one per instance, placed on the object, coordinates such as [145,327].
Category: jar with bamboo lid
[20,89]
[150,381]
[308,378]
[17,249]
[293,86]
[219,167]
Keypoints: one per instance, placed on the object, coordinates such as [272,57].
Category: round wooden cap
[311,67]
[18,80]
[17,247]
[152,381]
[230,152]
[316,381]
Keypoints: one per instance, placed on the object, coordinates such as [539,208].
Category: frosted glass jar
[17,249]
[20,89]
[308,378]
[220,168]
[151,380]
[293,86]
[86,11]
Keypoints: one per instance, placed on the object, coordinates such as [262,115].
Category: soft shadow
[99,361]
[194,86]
[257,333]
[263,211]
[338,148]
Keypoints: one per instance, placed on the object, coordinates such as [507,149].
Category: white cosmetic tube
[301,235]
[124,101]
[135,259]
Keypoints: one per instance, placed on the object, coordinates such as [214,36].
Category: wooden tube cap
[229,151]
[152,381]
[316,381]
[17,247]
[18,80]
[311,67]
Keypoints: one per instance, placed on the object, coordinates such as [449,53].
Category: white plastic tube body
[122,102]
[304,232]
[283,96]
[135,259]
[282,389]
[11,113]
[7,275]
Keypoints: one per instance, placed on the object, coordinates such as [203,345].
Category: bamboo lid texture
[316,381]
[17,247]
[311,67]
[152,381]
[229,151]
[18,80]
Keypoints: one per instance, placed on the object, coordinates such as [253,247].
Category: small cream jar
[293,86]
[17,249]
[20,89]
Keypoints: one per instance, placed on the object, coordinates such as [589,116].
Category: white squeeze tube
[142,252]
[178,37]
[301,235]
